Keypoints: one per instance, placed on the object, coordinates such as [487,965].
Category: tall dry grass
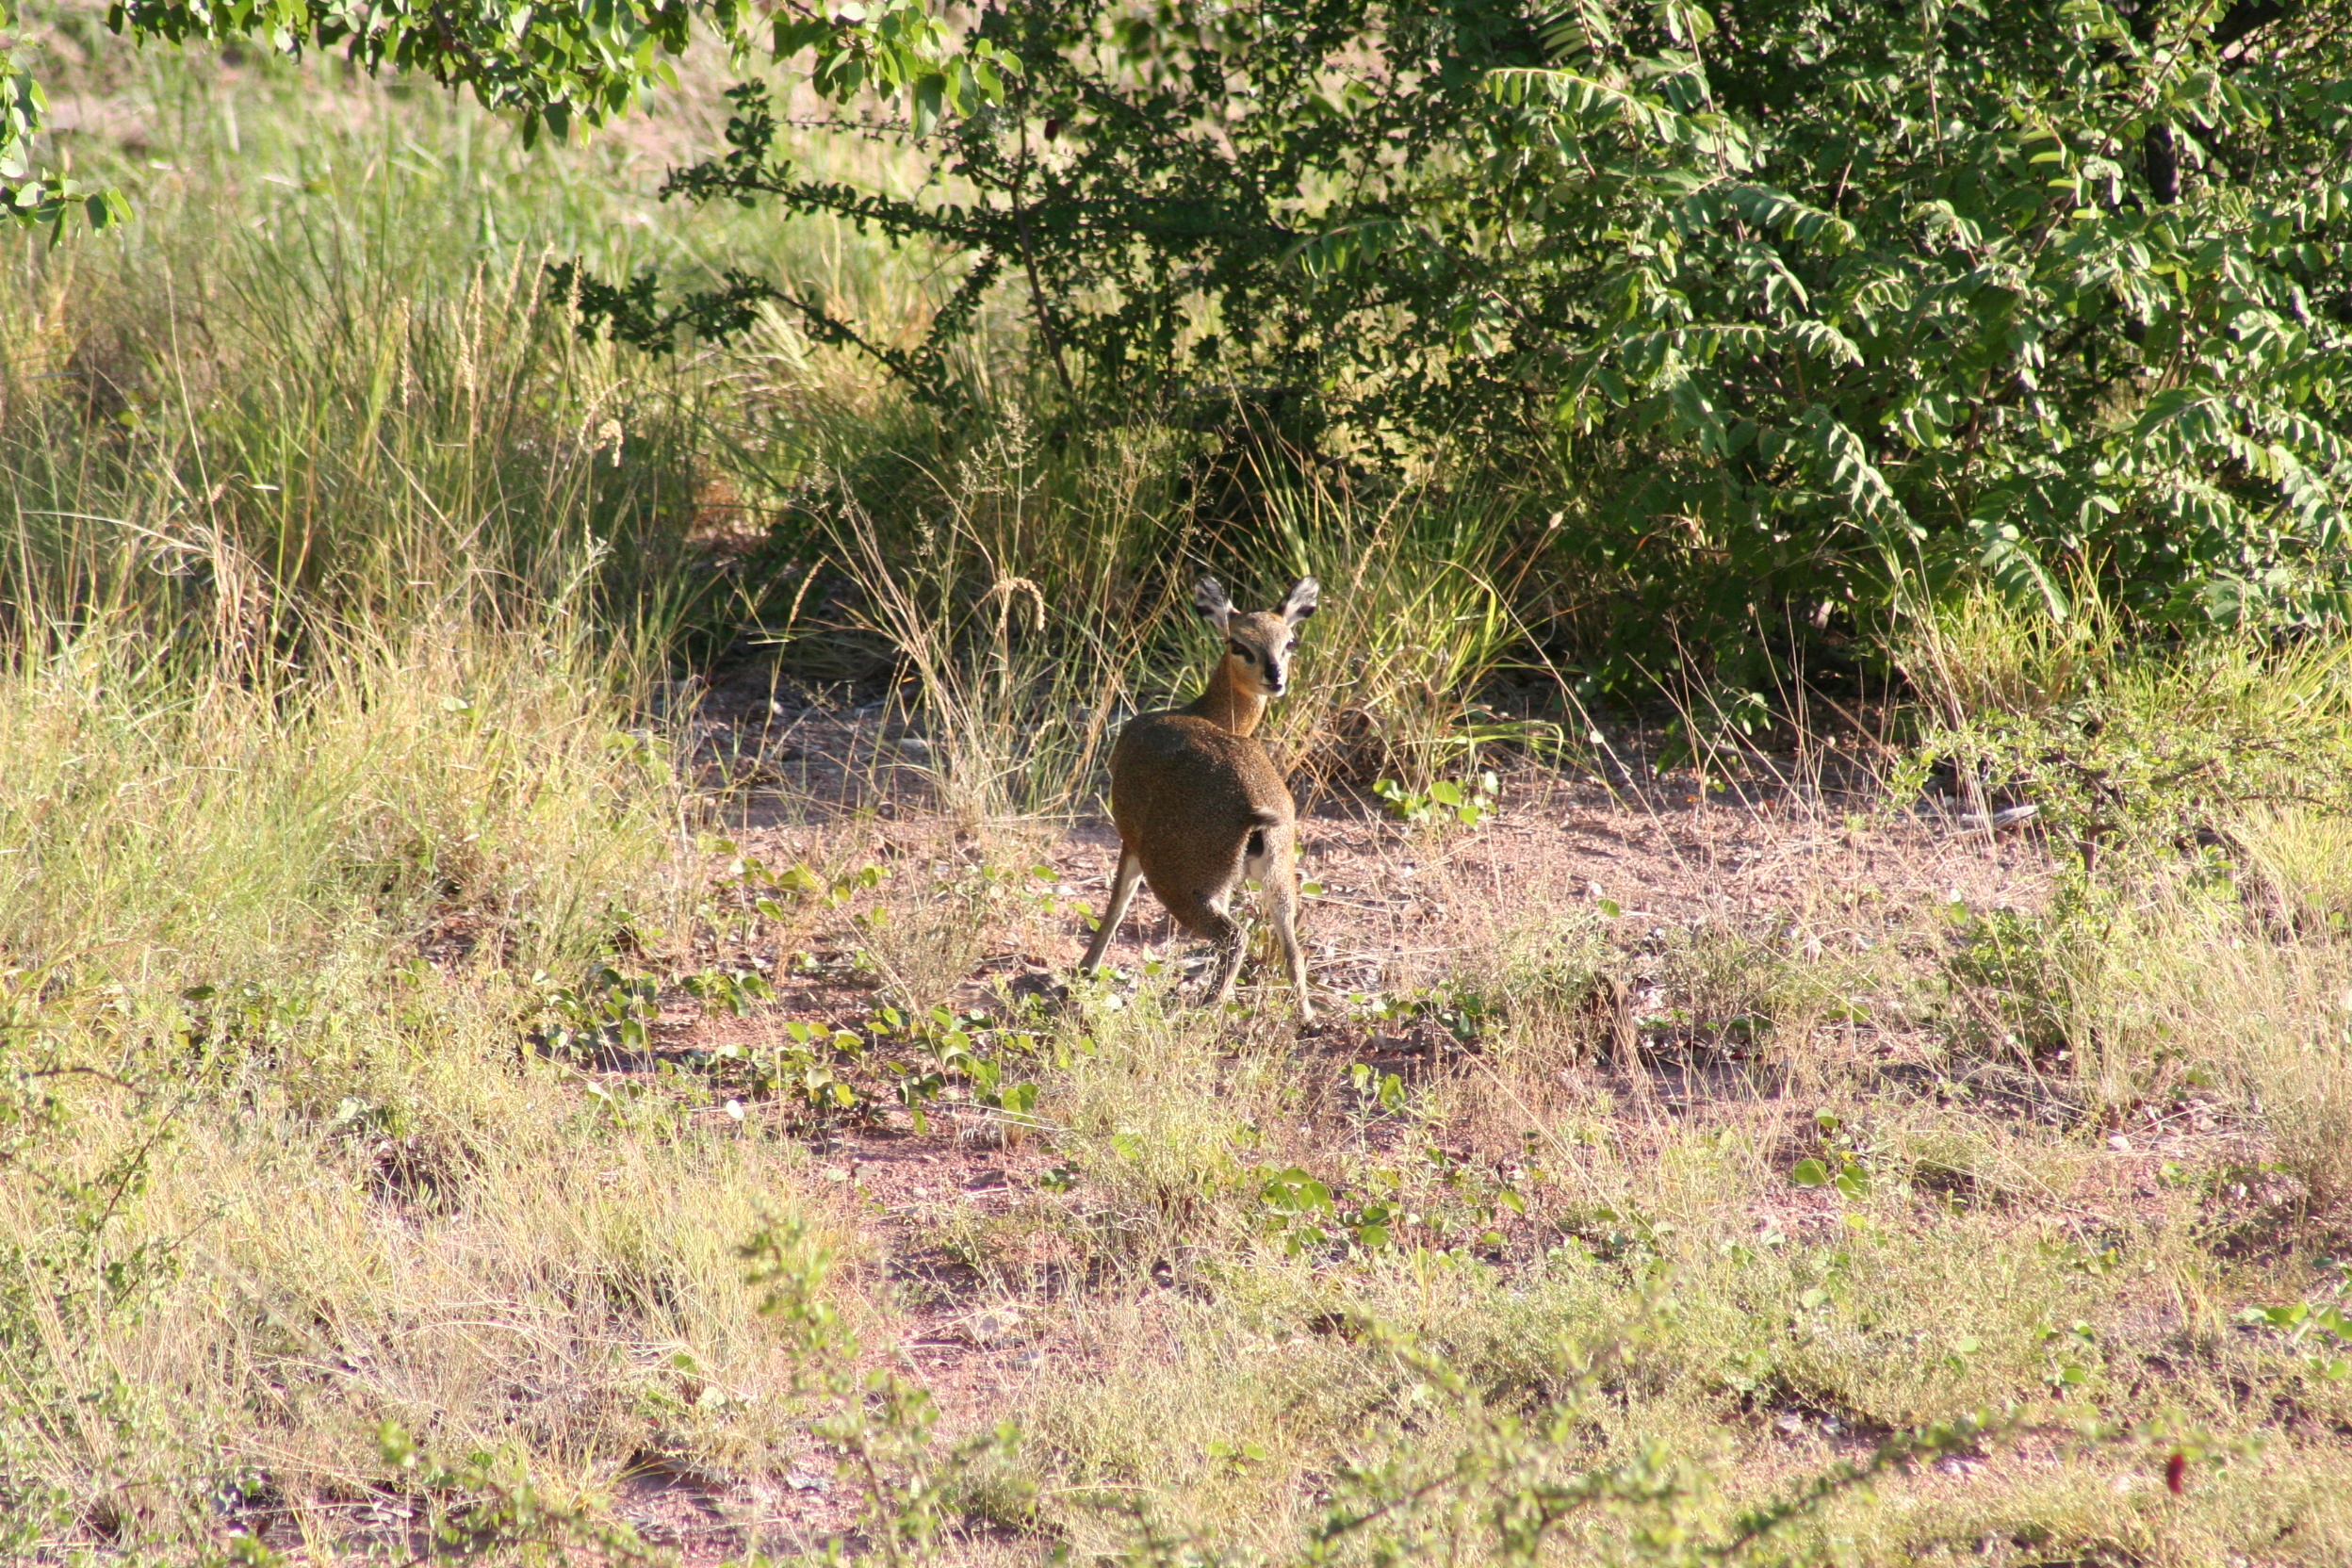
[166,813]
[2197,797]
[334,576]
[1026,601]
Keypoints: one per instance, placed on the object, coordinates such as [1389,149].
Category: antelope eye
[1242,653]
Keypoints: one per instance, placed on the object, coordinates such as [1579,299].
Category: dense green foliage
[1816,303]
[1816,307]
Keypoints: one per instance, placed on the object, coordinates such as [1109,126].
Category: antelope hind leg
[1122,893]
[1277,873]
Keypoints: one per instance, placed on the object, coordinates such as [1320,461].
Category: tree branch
[2246,15]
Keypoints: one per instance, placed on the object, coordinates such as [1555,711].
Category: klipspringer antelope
[1201,806]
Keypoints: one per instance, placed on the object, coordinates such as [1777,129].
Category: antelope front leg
[1228,956]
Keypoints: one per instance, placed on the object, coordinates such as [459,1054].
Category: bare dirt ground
[1400,909]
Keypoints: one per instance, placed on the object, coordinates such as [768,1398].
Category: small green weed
[1439,1202]
[812,1069]
[913,1061]
[607,1009]
[1466,804]
[1302,1213]
[1463,1012]
[732,991]
[1840,1163]
[941,1047]
[2322,1334]
[751,890]
[1385,1089]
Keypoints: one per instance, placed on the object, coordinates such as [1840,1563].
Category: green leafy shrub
[2031,293]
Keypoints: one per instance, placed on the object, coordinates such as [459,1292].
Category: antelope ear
[1302,600]
[1208,596]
